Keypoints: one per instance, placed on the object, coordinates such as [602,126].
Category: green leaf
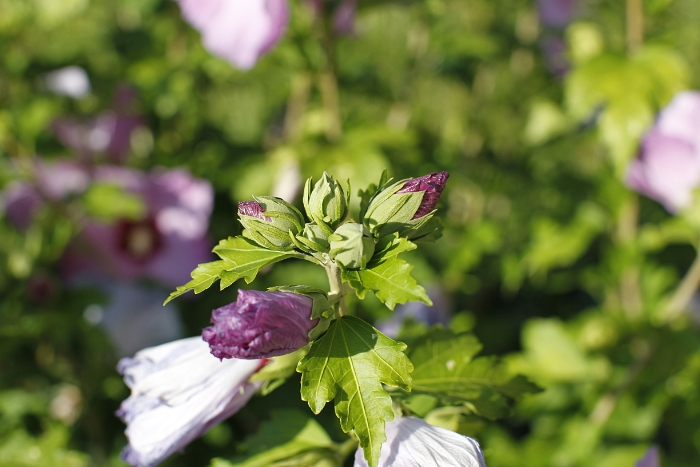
[244,259]
[288,434]
[276,373]
[240,259]
[445,368]
[350,363]
[109,202]
[388,276]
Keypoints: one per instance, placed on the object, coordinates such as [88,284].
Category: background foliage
[546,256]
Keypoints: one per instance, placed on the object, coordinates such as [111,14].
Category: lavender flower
[165,245]
[432,186]
[260,325]
[239,31]
[178,392]
[667,167]
[411,442]
[557,13]
[650,459]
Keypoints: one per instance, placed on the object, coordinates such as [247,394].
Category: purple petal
[239,31]
[432,186]
[260,325]
[667,169]
[252,209]
[650,459]
[557,13]
[681,118]
[344,17]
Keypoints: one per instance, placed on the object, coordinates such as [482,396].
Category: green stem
[335,281]
[685,291]
[635,25]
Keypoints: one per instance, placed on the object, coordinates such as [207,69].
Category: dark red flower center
[139,239]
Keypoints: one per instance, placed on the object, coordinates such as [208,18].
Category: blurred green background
[546,256]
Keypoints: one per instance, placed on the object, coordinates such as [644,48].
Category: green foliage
[240,259]
[388,276]
[349,364]
[290,436]
[445,368]
[110,203]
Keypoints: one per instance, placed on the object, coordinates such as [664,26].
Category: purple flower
[178,392]
[667,167]
[343,16]
[108,133]
[411,442]
[239,31]
[164,246]
[260,325]
[432,186]
[557,13]
[650,459]
[54,181]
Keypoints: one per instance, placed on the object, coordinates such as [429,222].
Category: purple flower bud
[260,325]
[432,184]
[253,209]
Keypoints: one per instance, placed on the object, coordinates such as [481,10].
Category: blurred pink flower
[108,133]
[239,31]
[411,442]
[667,167]
[54,181]
[178,392]
[164,246]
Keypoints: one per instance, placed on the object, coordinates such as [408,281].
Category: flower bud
[326,203]
[260,325]
[271,222]
[352,246]
[313,239]
[406,205]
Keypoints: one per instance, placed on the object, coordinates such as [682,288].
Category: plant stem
[635,24]
[336,284]
[630,293]
[685,291]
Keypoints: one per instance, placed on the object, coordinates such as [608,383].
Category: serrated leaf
[240,259]
[350,363]
[445,367]
[202,278]
[388,276]
[244,259]
[287,435]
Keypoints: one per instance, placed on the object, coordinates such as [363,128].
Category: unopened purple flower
[432,186]
[411,442]
[239,31]
[165,245]
[253,209]
[260,325]
[650,459]
[667,167]
[178,392]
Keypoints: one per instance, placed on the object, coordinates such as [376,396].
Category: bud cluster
[404,207]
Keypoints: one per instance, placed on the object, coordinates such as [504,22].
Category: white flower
[179,391]
[71,81]
[411,442]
